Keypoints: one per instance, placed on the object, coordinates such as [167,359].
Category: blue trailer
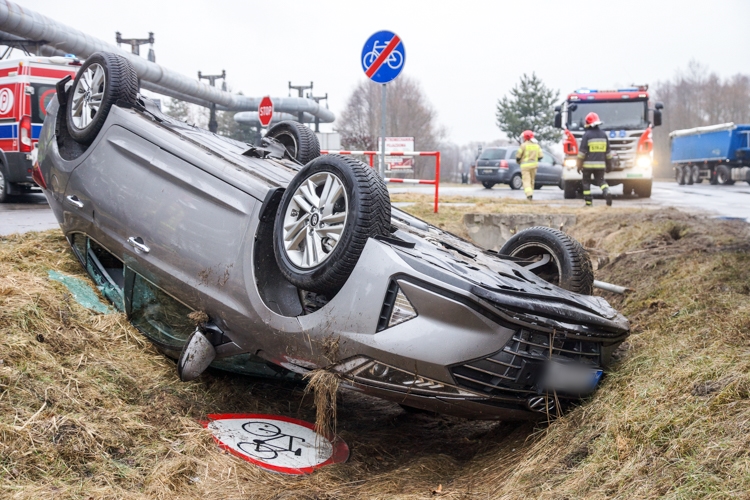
[719,153]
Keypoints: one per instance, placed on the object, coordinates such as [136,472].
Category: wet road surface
[29,212]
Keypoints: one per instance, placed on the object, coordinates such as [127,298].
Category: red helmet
[592,120]
[527,135]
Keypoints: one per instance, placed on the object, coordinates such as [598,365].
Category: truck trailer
[719,153]
[628,121]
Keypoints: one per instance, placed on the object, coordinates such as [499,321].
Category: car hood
[504,284]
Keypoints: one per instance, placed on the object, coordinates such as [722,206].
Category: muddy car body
[162,212]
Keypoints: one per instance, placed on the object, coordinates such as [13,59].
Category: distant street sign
[265,111]
[383,57]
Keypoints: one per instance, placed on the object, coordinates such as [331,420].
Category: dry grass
[88,409]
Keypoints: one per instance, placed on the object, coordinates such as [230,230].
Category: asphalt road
[31,212]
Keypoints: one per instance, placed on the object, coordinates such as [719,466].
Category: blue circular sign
[383,57]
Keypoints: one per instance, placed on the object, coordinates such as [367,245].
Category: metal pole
[382,132]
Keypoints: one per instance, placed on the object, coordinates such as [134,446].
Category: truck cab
[26,87]
[628,121]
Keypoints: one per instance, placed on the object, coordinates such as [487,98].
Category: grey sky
[466,54]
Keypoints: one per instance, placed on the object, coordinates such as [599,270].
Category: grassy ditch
[89,409]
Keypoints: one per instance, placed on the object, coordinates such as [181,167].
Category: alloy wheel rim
[315,219]
[88,95]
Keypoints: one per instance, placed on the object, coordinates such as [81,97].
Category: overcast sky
[466,54]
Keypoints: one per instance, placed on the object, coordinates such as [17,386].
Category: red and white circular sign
[277,443]
[6,101]
[265,111]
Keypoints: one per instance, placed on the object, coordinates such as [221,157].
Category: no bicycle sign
[383,57]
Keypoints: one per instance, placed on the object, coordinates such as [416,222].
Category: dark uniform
[594,158]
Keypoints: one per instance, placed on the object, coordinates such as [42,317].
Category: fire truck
[628,121]
[26,87]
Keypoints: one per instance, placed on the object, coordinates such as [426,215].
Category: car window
[161,317]
[512,154]
[107,271]
[493,154]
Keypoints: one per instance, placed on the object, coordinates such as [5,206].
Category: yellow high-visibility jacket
[529,154]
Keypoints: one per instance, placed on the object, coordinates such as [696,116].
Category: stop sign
[265,111]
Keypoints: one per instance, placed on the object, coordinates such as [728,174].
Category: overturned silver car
[291,261]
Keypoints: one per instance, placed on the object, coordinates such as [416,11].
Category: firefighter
[528,156]
[594,158]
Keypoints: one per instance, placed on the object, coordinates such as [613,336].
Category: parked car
[291,261]
[498,165]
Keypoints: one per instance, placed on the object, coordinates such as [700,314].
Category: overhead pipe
[30,25]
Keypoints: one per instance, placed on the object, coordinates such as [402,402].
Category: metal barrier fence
[372,154]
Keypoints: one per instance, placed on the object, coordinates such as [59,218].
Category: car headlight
[570,162]
[643,162]
[396,308]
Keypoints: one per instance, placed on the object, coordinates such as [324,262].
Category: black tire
[538,186]
[569,189]
[713,180]
[487,184]
[627,189]
[695,173]
[4,186]
[643,188]
[120,84]
[570,265]
[688,174]
[301,142]
[723,175]
[516,182]
[679,175]
[368,215]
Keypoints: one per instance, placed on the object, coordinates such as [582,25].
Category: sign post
[265,111]
[383,58]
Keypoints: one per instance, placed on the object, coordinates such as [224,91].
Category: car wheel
[326,215]
[695,173]
[516,182]
[103,80]
[643,189]
[538,186]
[301,142]
[723,175]
[568,264]
[4,187]
[688,175]
[487,185]
[569,189]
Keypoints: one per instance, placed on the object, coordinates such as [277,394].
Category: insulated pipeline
[28,24]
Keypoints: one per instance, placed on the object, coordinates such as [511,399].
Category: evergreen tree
[530,106]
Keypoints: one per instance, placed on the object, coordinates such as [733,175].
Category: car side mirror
[659,105]
[657,117]
[572,106]
[558,119]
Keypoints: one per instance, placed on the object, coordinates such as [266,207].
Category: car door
[544,171]
[173,223]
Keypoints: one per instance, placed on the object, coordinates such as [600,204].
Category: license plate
[485,171]
[571,377]
[630,176]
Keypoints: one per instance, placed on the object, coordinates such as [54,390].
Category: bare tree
[697,97]
[409,114]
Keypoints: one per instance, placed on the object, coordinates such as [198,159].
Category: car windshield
[493,154]
[613,114]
